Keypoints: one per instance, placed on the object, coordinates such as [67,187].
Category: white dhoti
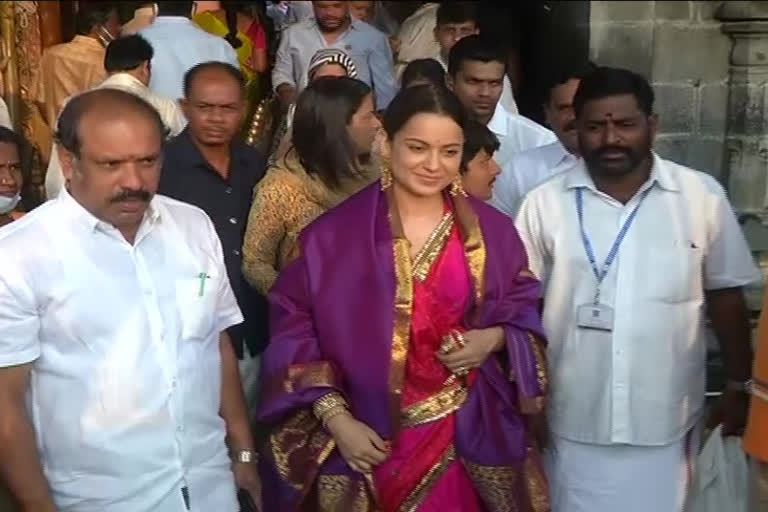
[619,478]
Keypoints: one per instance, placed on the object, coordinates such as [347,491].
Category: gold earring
[457,187]
[386,174]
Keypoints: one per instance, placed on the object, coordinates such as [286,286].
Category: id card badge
[595,316]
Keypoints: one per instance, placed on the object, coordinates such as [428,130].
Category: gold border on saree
[435,407]
[417,495]
[423,261]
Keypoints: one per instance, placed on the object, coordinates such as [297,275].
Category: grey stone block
[673,10]
[675,106]
[706,154]
[673,147]
[706,10]
[713,109]
[623,46]
[695,53]
[601,11]
[747,109]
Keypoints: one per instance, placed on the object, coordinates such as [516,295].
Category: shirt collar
[124,80]
[82,216]
[190,155]
[498,123]
[579,176]
[87,41]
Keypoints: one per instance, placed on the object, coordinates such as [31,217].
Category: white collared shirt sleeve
[282,73]
[530,230]
[227,311]
[728,262]
[506,194]
[19,320]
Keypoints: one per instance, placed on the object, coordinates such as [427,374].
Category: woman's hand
[481,343]
[360,446]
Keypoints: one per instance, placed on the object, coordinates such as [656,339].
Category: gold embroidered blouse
[285,201]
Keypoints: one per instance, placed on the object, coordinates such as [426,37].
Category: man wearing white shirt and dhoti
[533,166]
[632,250]
[476,73]
[119,388]
[128,62]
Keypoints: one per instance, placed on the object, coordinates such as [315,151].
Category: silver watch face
[245,456]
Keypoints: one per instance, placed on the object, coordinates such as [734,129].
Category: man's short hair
[189,76]
[67,128]
[93,14]
[569,70]
[9,136]
[423,70]
[474,48]
[457,12]
[127,53]
[606,81]
[174,8]
[477,136]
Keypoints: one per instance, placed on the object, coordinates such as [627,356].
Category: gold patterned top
[285,201]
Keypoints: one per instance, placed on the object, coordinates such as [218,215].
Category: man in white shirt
[456,20]
[119,388]
[475,73]
[631,248]
[180,45]
[128,62]
[143,17]
[533,166]
[416,39]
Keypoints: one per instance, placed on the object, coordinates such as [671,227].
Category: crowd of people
[396,293]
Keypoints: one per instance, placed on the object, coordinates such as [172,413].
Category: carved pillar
[9,62]
[747,123]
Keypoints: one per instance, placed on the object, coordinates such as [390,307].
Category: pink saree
[422,473]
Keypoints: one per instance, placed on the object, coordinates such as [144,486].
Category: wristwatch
[245,456]
[737,385]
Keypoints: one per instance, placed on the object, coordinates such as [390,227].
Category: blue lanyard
[603,271]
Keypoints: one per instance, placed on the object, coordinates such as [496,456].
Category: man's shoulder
[537,155]
[30,229]
[367,29]
[183,214]
[527,124]
[689,179]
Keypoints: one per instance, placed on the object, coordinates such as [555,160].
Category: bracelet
[336,411]
[327,403]
[452,342]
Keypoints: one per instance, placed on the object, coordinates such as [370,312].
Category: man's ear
[66,160]
[449,82]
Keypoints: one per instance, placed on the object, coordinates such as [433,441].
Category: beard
[614,161]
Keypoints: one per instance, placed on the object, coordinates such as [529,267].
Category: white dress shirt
[365,45]
[516,133]
[170,112]
[180,45]
[5,116]
[417,37]
[526,170]
[124,345]
[643,382]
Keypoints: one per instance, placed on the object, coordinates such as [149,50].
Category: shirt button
[228,190]
[236,252]
[232,220]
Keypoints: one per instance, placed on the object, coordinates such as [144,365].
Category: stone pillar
[747,123]
[746,166]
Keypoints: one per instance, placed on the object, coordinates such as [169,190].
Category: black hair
[189,76]
[422,99]
[423,70]
[606,81]
[67,127]
[92,15]
[477,136]
[457,12]
[230,14]
[174,8]
[11,137]
[127,53]
[319,131]
[571,70]
[475,48]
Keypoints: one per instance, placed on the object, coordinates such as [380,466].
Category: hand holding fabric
[360,445]
[480,344]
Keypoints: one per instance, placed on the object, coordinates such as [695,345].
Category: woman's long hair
[230,13]
[320,137]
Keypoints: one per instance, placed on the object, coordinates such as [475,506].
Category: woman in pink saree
[406,354]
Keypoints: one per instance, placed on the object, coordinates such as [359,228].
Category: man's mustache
[607,149]
[130,195]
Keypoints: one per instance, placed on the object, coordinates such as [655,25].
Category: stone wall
[680,48]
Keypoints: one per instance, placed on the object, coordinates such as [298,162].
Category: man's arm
[730,321]
[382,71]
[20,466]
[282,73]
[235,415]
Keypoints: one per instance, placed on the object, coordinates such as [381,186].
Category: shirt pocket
[674,272]
[196,298]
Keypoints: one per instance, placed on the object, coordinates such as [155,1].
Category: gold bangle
[336,411]
[327,402]
[452,342]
